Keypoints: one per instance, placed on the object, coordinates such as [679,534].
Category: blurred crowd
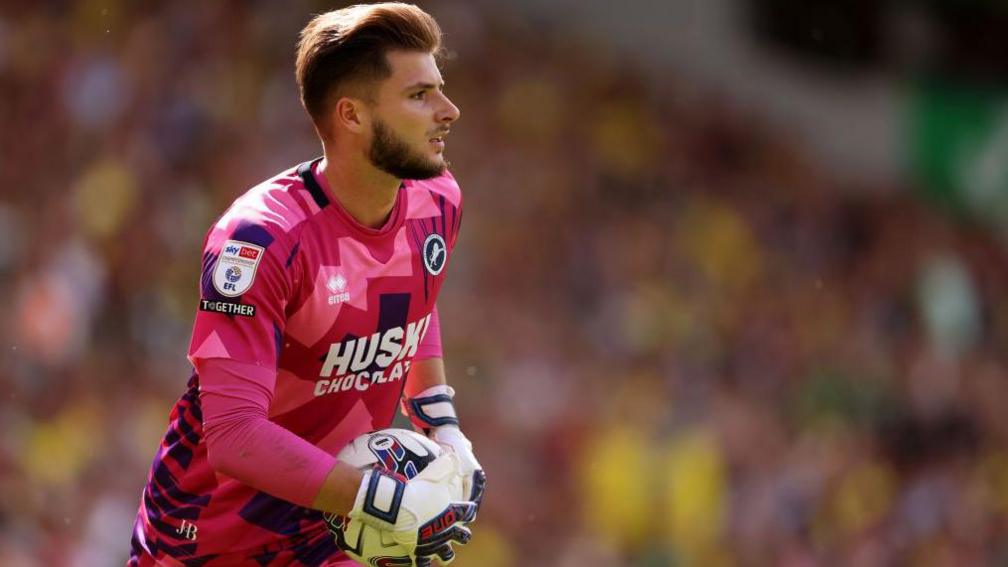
[675,340]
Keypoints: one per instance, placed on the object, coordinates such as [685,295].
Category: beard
[391,154]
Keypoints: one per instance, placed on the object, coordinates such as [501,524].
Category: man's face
[411,118]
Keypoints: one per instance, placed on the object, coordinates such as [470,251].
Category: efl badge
[236,267]
[435,253]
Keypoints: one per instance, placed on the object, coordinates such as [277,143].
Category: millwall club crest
[435,254]
[236,267]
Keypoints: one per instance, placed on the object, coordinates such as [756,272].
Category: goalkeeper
[317,313]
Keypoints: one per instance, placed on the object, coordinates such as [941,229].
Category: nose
[449,112]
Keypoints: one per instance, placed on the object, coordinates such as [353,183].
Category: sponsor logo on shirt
[435,253]
[236,267]
[249,253]
[391,351]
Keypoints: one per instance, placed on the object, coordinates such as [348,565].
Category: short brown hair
[346,48]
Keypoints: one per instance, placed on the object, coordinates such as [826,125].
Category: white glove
[423,515]
[433,412]
[451,438]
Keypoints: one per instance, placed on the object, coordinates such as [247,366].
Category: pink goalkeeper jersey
[291,283]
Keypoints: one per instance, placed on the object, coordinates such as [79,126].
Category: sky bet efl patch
[236,267]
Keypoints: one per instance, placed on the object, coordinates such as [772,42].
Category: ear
[351,113]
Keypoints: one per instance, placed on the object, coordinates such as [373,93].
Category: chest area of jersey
[355,287]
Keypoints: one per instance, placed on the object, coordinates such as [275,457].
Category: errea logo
[435,254]
[337,285]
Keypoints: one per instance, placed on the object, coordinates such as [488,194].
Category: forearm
[427,369]
[269,458]
[243,444]
[339,489]
[425,374]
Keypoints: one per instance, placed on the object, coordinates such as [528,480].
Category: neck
[364,191]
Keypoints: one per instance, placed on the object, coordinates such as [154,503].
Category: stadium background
[730,291]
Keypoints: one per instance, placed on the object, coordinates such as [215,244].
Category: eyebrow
[421,85]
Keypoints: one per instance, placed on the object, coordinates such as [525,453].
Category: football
[400,450]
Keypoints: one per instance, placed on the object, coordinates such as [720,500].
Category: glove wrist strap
[382,496]
[432,408]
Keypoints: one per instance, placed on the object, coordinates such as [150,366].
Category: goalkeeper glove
[421,515]
[433,412]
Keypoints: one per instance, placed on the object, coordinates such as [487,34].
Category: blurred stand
[743,265]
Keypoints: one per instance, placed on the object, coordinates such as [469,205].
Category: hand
[423,515]
[433,411]
[451,438]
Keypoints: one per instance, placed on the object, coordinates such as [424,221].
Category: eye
[418,95]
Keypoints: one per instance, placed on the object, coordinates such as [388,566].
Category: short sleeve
[244,288]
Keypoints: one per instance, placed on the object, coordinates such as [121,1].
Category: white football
[401,450]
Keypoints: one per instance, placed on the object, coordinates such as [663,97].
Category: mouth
[439,140]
